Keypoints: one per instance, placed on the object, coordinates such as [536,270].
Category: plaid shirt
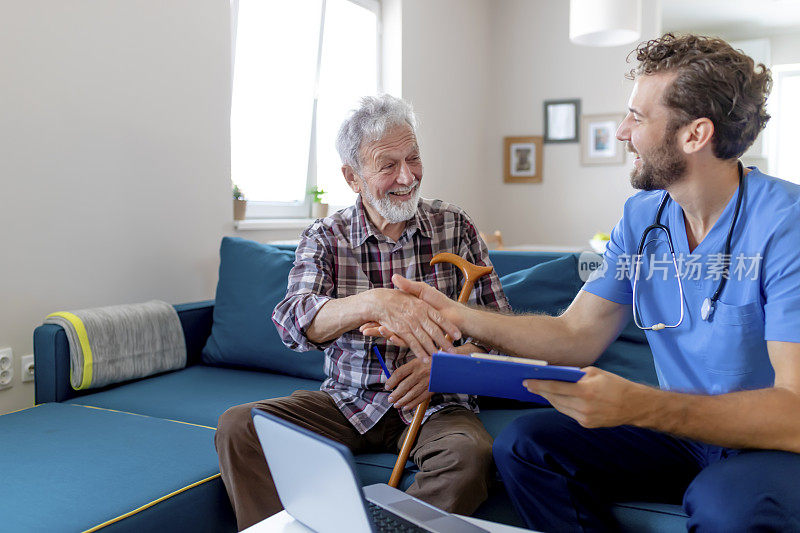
[344,254]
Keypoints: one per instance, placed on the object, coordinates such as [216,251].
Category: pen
[380,359]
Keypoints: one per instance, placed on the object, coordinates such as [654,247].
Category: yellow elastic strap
[148,505]
[159,500]
[25,409]
[83,338]
[145,416]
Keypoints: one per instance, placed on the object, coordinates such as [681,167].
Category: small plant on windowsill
[318,208]
[239,203]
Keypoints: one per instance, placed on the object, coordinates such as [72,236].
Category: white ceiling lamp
[605,22]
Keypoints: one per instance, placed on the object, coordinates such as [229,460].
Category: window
[299,67]
[784,126]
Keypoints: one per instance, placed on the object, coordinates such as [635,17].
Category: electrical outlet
[26,368]
[6,368]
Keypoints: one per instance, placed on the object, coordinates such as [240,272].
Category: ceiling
[732,19]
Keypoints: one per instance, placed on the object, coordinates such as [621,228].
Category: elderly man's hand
[412,322]
[409,384]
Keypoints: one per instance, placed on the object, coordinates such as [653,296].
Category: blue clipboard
[490,375]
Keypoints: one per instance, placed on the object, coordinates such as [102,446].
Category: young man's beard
[663,166]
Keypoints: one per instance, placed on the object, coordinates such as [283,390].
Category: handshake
[416,316]
[428,319]
[420,318]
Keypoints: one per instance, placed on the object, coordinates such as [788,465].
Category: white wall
[785,48]
[479,70]
[445,58]
[532,61]
[114,165]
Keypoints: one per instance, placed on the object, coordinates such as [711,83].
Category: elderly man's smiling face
[391,172]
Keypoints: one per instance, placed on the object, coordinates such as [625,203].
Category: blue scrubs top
[760,301]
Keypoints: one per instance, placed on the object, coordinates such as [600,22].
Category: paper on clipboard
[494,375]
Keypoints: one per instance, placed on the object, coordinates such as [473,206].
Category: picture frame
[599,145]
[522,159]
[561,120]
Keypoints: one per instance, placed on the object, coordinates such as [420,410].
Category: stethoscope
[707,309]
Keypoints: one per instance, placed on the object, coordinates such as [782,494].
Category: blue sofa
[139,456]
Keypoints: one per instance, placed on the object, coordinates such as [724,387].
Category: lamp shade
[604,22]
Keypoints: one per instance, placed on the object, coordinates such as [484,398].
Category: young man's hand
[450,309]
[598,399]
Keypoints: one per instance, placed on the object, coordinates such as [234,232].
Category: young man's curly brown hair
[713,81]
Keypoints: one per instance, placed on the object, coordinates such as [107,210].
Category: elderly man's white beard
[394,212]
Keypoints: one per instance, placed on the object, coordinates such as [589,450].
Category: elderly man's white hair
[371,121]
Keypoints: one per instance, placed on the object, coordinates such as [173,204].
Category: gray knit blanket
[122,342]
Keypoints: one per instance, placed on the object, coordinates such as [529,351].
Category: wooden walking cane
[471,274]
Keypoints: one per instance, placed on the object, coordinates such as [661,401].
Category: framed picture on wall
[599,145]
[561,120]
[522,159]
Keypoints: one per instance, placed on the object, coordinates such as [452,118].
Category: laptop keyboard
[388,522]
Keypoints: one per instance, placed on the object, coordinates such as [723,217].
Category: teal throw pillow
[252,280]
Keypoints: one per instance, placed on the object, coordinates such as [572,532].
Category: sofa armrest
[196,319]
[51,361]
[51,351]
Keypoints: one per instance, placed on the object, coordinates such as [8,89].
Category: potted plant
[318,209]
[239,203]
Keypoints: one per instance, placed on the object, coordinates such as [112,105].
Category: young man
[341,280]
[722,433]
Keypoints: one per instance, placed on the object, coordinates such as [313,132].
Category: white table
[284,523]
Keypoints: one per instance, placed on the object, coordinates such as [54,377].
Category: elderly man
[722,433]
[341,281]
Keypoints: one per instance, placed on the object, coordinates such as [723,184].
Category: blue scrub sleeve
[781,277]
[612,281]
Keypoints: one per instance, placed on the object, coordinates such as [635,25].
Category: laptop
[317,484]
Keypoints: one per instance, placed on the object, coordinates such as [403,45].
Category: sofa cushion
[544,288]
[495,420]
[508,261]
[550,287]
[649,517]
[198,394]
[252,280]
[71,468]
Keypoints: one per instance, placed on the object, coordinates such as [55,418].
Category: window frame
[779,73]
[301,210]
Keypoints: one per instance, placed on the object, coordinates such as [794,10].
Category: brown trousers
[453,452]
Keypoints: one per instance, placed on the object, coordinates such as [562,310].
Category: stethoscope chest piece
[706,309]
